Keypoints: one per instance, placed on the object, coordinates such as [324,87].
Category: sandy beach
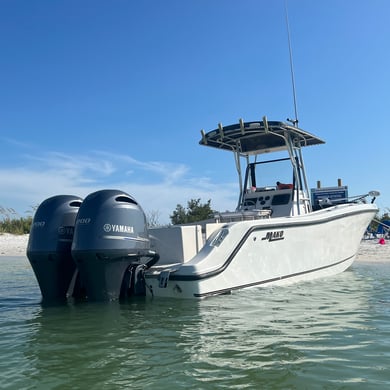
[370,250]
[13,245]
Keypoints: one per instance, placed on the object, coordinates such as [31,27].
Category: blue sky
[113,94]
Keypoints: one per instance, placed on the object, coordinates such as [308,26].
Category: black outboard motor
[110,244]
[49,246]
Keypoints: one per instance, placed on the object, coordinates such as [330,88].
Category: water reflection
[285,336]
[293,335]
[328,333]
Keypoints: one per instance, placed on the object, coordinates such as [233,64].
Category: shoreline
[13,244]
[369,251]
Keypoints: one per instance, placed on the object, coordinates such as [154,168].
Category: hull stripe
[259,283]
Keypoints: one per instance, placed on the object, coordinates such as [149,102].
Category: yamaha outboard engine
[111,245]
[49,246]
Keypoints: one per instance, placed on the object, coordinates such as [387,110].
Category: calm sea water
[328,334]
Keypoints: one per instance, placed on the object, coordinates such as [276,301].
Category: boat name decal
[274,236]
[118,228]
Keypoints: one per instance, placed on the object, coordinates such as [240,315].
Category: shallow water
[329,334]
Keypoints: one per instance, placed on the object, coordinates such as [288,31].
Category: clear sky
[101,94]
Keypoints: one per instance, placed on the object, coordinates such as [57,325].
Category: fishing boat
[275,235]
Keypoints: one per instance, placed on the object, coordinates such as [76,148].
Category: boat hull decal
[205,275]
[262,282]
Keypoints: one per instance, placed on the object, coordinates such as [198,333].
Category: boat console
[278,203]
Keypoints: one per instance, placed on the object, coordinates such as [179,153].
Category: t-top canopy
[247,138]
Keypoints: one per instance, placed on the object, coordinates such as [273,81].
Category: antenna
[293,121]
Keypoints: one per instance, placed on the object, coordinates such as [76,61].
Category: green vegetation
[379,218]
[194,212]
[10,222]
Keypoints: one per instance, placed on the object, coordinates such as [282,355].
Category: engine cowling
[110,243]
[49,246]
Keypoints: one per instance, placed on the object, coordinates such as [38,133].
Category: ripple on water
[332,333]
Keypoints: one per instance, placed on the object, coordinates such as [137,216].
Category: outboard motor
[111,245]
[49,246]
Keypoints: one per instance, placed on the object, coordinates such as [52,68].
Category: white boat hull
[267,252]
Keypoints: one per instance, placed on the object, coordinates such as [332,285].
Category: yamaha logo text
[118,228]
[66,230]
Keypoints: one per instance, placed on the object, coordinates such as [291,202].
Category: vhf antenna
[293,121]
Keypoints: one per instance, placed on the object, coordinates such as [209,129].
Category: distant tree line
[11,222]
[379,218]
